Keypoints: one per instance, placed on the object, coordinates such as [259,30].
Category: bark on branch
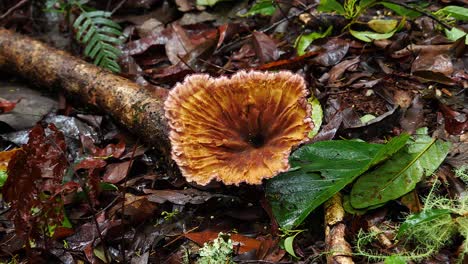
[138,109]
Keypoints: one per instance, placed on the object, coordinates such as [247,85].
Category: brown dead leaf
[116,172]
[338,70]
[138,208]
[455,123]
[413,117]
[5,157]
[265,47]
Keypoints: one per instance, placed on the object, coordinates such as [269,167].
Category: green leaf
[288,245]
[367,118]
[399,175]
[331,6]
[108,186]
[395,259]
[454,34]
[421,218]
[66,221]
[366,3]
[317,116]
[208,2]
[369,36]
[400,10]
[383,25]
[3,177]
[303,41]
[457,12]
[295,194]
[261,7]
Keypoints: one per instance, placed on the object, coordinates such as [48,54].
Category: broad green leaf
[369,36]
[295,194]
[400,10]
[317,116]
[395,259]
[454,34]
[421,218]
[303,41]
[261,7]
[3,177]
[209,2]
[400,174]
[457,12]
[383,25]
[331,6]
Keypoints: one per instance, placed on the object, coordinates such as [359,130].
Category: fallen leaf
[338,70]
[265,47]
[7,106]
[5,157]
[116,172]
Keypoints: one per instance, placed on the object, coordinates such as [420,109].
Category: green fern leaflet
[100,35]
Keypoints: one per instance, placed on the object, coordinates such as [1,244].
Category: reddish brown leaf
[116,172]
[90,163]
[111,150]
[6,106]
[265,47]
[455,123]
[244,243]
[34,175]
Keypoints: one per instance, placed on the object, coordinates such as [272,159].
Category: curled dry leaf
[238,129]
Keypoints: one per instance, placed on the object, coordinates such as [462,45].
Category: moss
[426,238]
[218,251]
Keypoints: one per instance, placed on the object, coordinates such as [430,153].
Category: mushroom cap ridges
[238,129]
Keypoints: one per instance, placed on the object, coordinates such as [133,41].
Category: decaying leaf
[34,184]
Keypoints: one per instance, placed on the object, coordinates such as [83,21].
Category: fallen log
[138,109]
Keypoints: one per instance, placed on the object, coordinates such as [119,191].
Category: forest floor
[383,178]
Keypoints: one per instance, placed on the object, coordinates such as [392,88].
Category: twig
[240,40]
[445,25]
[124,187]
[117,7]
[13,8]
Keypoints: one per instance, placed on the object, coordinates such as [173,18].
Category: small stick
[445,25]
[13,8]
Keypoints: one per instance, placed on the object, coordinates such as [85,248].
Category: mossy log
[136,108]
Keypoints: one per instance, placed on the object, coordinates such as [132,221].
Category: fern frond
[100,35]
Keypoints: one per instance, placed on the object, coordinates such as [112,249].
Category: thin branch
[419,10]
[124,187]
[13,8]
[241,40]
[117,7]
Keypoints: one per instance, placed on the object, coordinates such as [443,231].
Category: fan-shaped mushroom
[238,129]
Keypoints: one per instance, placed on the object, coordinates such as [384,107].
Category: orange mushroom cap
[238,129]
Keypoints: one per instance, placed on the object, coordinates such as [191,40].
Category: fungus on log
[238,129]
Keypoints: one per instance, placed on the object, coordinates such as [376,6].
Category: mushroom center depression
[256,140]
